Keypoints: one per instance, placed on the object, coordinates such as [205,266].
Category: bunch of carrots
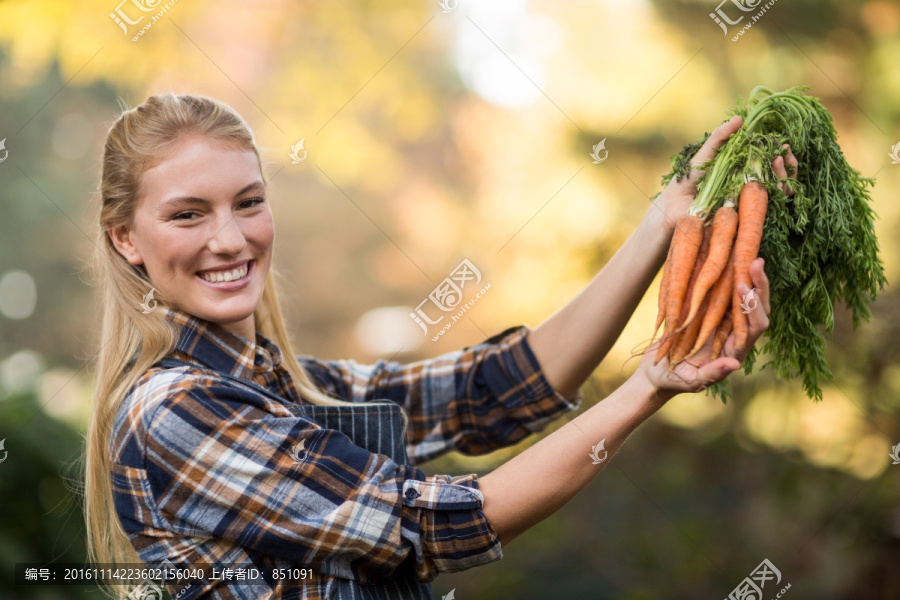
[705,264]
[815,232]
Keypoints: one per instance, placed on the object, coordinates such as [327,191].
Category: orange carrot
[686,244]
[663,288]
[719,303]
[672,333]
[721,335]
[687,338]
[752,206]
[724,226]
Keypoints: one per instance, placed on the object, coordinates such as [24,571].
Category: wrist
[656,229]
[650,392]
[657,221]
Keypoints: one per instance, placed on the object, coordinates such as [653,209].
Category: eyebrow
[256,185]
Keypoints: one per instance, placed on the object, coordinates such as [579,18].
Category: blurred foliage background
[436,136]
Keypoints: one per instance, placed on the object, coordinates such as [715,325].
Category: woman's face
[203,207]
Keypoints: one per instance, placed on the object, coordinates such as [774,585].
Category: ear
[120,236]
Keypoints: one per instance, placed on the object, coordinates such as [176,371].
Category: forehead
[197,166]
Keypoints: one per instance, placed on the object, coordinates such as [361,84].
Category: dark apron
[376,426]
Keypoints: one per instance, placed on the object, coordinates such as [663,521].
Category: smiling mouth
[226,275]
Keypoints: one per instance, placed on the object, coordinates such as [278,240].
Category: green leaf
[819,244]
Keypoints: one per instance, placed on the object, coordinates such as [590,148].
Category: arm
[218,463]
[574,340]
[539,481]
[473,400]
[543,478]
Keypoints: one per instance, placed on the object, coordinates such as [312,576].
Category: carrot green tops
[219,465]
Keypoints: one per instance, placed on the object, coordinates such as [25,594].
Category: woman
[211,444]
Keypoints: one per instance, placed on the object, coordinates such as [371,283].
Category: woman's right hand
[699,372]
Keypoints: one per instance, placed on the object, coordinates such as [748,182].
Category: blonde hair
[135,140]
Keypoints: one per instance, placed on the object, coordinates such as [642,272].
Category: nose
[229,239]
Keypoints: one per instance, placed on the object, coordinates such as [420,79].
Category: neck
[245,328]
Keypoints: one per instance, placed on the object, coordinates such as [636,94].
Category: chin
[228,312]
[231,316]
[233,310]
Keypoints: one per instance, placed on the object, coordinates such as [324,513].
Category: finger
[786,168]
[728,348]
[780,172]
[791,162]
[778,167]
[757,319]
[716,370]
[761,283]
[708,150]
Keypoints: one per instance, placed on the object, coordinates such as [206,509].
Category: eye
[179,216]
[255,201]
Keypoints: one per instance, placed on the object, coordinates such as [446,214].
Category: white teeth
[218,276]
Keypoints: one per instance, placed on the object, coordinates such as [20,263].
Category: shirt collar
[211,344]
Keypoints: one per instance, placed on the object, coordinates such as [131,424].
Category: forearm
[571,343]
[539,481]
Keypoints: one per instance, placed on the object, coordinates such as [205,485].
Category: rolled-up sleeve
[219,464]
[474,400]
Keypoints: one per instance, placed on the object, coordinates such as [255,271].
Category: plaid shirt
[202,471]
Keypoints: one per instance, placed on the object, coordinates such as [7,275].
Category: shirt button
[411,494]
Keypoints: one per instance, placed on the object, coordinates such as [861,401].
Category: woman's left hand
[699,372]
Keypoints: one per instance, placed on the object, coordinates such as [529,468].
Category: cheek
[175,248]
[261,229]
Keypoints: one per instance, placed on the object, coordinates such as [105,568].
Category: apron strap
[375,425]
